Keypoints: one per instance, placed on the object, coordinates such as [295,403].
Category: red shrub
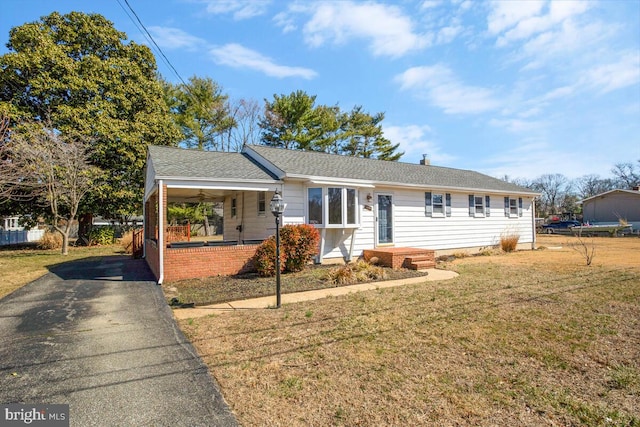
[298,244]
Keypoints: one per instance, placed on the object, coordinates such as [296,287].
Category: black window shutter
[519,206]
[506,206]
[428,208]
[448,206]
[487,205]
[472,207]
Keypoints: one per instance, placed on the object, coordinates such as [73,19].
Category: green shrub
[101,236]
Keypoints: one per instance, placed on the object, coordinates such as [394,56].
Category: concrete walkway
[98,335]
[270,301]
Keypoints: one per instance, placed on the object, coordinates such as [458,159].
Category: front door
[384,218]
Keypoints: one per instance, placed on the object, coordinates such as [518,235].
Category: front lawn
[524,339]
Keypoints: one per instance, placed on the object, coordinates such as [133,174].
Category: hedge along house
[357,205]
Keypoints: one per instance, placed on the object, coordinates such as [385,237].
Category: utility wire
[149,37]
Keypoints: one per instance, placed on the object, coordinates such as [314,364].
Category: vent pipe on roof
[425,160]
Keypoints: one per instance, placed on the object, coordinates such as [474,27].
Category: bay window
[314,207]
[332,207]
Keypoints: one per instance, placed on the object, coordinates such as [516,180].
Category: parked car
[559,227]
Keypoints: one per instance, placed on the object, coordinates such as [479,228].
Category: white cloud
[174,38]
[448,34]
[515,125]
[285,21]
[440,86]
[430,4]
[241,9]
[507,14]
[414,141]
[541,25]
[615,75]
[237,56]
[387,30]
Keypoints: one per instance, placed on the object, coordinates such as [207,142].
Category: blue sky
[518,88]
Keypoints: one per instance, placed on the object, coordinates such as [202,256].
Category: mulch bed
[217,289]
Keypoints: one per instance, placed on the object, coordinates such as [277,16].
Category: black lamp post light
[277,206]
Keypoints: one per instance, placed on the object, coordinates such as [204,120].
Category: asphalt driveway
[98,335]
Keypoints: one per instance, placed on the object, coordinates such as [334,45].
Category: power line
[150,38]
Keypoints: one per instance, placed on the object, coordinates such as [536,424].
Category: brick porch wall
[204,261]
[152,257]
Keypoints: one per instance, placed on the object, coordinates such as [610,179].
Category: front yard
[529,338]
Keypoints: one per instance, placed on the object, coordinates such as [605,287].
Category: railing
[178,233]
[138,243]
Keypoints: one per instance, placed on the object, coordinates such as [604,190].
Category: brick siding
[204,261]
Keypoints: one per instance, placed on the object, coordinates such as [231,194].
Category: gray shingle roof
[314,164]
[181,163]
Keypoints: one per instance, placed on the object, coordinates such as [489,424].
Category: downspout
[144,229]
[533,222]
[160,232]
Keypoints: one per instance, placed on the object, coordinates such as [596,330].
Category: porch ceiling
[195,195]
[204,194]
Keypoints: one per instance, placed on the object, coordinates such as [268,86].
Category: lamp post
[277,206]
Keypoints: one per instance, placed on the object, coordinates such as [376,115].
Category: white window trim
[325,207]
[484,206]
[518,207]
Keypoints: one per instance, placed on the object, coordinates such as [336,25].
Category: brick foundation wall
[152,257]
[189,263]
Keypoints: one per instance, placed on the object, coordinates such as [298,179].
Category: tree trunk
[207,231]
[84,227]
[65,243]
[65,236]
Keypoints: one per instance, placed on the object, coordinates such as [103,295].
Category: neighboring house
[357,204]
[613,206]
[11,232]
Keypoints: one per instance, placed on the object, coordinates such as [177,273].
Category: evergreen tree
[82,77]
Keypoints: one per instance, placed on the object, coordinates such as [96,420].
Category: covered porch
[174,254]
[238,188]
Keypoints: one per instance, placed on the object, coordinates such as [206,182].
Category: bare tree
[627,174]
[246,113]
[586,249]
[40,167]
[554,188]
[590,185]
